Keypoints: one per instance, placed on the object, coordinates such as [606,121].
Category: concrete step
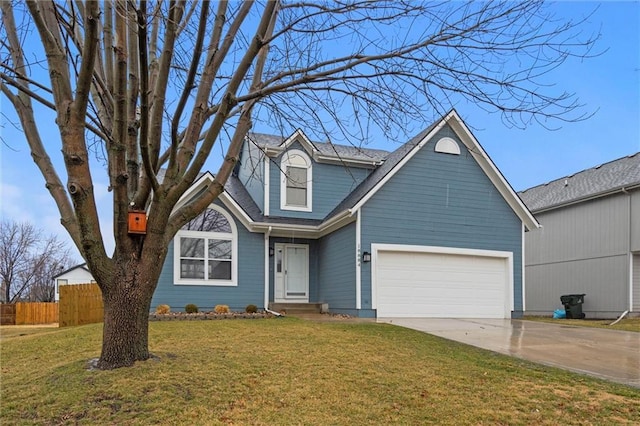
[299,308]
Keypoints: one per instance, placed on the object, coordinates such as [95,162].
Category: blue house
[431,229]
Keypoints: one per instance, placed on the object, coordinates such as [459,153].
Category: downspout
[358,263]
[629,252]
[266,268]
[523,269]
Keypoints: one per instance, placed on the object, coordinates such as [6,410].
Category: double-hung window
[206,250]
[296,183]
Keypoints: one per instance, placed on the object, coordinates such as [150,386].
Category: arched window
[296,182]
[205,250]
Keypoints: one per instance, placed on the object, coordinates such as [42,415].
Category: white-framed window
[206,250]
[296,187]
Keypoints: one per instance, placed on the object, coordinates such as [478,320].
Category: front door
[292,273]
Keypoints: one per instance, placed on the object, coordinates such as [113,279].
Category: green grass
[290,371]
[626,324]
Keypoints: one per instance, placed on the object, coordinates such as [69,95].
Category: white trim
[284,247]
[447,145]
[506,255]
[317,156]
[299,136]
[266,268]
[304,231]
[284,163]
[358,262]
[233,282]
[490,169]
[523,273]
[197,185]
[267,187]
[470,142]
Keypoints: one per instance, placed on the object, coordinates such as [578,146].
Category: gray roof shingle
[325,148]
[588,183]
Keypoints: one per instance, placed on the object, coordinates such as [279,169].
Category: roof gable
[599,181]
[397,159]
[81,266]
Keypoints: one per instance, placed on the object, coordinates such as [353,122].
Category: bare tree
[28,261]
[154,85]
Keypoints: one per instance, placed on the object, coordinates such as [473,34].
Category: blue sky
[608,85]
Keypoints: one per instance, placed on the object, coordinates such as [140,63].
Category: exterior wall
[582,248]
[251,174]
[313,265]
[74,276]
[250,288]
[445,200]
[636,283]
[634,215]
[337,269]
[331,184]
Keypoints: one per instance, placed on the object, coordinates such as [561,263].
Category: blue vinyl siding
[331,184]
[441,200]
[337,269]
[250,173]
[250,288]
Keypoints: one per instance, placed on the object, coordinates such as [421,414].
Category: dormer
[295,177]
[296,181]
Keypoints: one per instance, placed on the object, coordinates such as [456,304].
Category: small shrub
[221,309]
[251,309]
[163,309]
[191,309]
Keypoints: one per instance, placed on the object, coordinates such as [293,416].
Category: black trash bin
[573,305]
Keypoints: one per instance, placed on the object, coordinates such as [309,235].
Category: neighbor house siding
[331,184]
[337,269]
[441,200]
[579,247]
[634,205]
[250,288]
[250,172]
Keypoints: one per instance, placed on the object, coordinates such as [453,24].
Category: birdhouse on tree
[137,222]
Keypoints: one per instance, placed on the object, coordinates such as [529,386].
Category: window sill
[296,209]
[207,283]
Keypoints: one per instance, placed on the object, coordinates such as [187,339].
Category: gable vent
[447,146]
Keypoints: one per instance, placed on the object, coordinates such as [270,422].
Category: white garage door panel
[422,284]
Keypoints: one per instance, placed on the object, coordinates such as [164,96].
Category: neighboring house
[589,241]
[431,229]
[78,274]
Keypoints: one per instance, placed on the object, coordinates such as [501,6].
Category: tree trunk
[126,313]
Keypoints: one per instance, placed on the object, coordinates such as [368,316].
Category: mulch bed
[182,316]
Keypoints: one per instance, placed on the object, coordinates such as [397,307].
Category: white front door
[291,273]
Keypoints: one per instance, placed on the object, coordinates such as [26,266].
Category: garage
[441,282]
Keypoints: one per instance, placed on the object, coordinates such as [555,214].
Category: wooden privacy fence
[27,313]
[36,313]
[7,314]
[80,304]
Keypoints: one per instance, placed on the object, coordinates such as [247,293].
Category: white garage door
[438,282]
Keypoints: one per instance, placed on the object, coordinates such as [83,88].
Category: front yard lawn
[291,371]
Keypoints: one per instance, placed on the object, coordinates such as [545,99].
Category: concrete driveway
[606,354]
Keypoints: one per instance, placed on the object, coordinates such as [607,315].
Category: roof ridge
[572,175]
